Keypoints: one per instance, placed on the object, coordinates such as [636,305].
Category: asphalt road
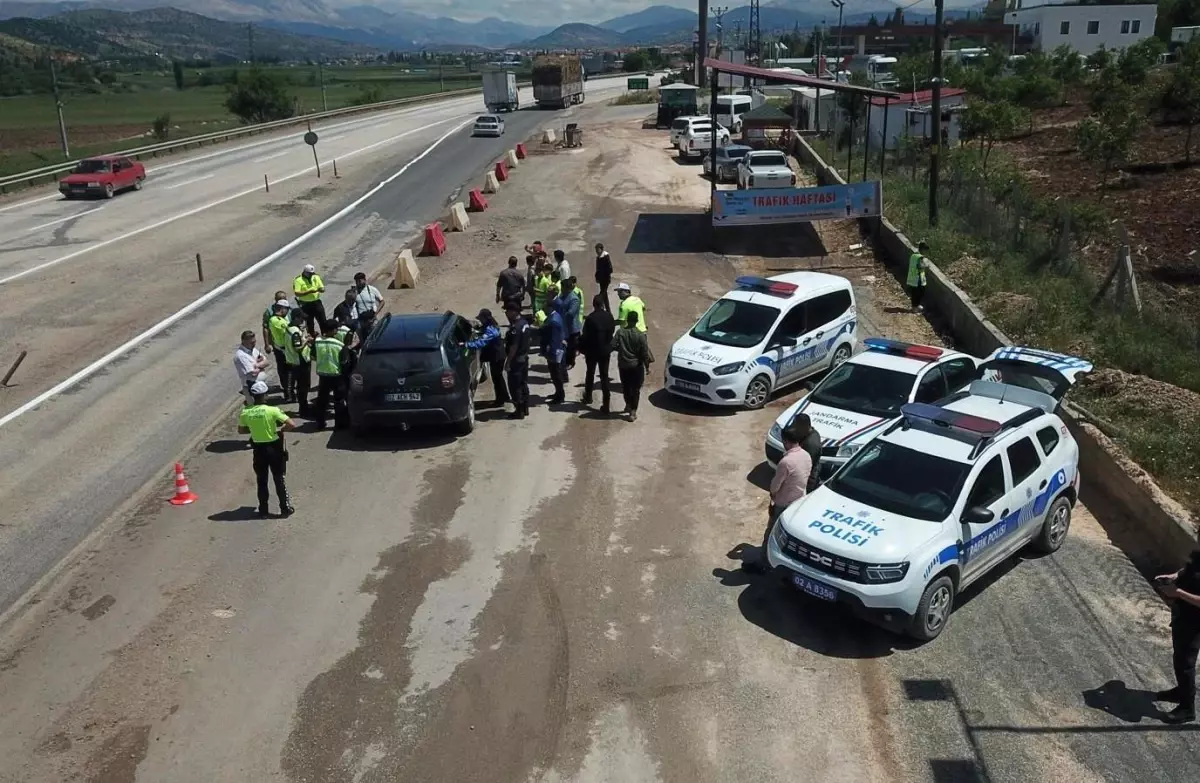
[558,599]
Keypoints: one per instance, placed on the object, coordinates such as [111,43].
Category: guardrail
[35,176]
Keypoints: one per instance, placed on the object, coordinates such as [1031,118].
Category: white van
[730,109]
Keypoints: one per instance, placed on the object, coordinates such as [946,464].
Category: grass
[635,97]
[103,119]
[1059,316]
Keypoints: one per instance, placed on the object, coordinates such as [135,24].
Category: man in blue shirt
[554,347]
[491,349]
[572,314]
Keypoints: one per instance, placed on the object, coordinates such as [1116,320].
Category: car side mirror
[978,515]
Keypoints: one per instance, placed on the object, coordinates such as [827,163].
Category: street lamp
[839,5]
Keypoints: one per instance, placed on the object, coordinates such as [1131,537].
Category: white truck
[500,91]
[765,169]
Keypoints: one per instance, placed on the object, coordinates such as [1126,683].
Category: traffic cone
[183,495]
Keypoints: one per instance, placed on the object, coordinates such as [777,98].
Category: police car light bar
[961,422]
[765,285]
[897,348]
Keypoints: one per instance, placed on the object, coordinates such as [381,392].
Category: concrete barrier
[549,136]
[459,221]
[476,202]
[511,157]
[1119,493]
[406,273]
[490,183]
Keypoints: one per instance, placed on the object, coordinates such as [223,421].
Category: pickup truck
[765,169]
[696,142]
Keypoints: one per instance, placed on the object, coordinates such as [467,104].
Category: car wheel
[840,355]
[758,391]
[108,190]
[933,612]
[1054,529]
[137,183]
[467,425]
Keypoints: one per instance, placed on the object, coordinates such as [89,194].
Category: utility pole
[840,5]
[935,148]
[321,77]
[441,76]
[702,46]
[250,37]
[754,32]
[717,13]
[62,123]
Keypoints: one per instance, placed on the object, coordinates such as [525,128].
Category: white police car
[765,334]
[942,496]
[855,402]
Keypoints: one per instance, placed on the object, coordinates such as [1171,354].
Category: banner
[761,206]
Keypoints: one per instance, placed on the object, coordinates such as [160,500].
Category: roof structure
[721,66]
[921,97]
[680,86]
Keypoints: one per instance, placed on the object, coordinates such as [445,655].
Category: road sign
[310,139]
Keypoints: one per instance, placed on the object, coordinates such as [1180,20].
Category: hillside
[577,36]
[654,15]
[171,34]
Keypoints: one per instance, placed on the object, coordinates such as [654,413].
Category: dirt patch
[1014,312]
[1143,394]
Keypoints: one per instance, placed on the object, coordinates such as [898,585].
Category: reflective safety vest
[307,290]
[343,334]
[263,421]
[916,270]
[279,332]
[329,352]
[632,304]
[540,284]
[577,292]
[539,317]
[291,354]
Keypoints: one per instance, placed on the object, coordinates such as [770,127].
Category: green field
[107,118]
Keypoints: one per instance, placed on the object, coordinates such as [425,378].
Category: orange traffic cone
[183,495]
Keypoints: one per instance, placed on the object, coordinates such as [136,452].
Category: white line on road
[61,220]
[187,182]
[279,154]
[204,207]
[37,200]
[169,321]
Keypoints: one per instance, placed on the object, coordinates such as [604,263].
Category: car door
[124,173]
[827,317]
[931,386]
[959,372]
[1029,481]
[980,539]
[783,347]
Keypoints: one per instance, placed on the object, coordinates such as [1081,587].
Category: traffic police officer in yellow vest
[277,328]
[265,424]
[630,304]
[298,355]
[327,351]
[308,288]
[916,276]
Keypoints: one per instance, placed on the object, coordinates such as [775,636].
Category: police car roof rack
[765,285]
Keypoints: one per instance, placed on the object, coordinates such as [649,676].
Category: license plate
[688,386]
[402,397]
[814,588]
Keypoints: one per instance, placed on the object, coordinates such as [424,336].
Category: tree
[1106,138]
[1181,98]
[853,105]
[913,70]
[1036,89]
[177,69]
[1066,65]
[1110,93]
[1100,59]
[989,121]
[1134,62]
[259,96]
[636,61]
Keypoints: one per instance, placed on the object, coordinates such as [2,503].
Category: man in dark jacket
[604,273]
[810,441]
[595,343]
[491,349]
[554,347]
[633,362]
[1183,588]
[510,284]
[516,346]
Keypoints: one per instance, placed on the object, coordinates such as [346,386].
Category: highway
[557,599]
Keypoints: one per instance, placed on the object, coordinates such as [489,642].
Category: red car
[103,176]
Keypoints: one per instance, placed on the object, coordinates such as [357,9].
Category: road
[557,599]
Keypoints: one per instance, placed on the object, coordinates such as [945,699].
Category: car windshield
[769,159]
[93,167]
[735,323]
[900,480]
[861,388]
[735,154]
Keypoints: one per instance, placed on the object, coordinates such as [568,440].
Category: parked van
[730,109]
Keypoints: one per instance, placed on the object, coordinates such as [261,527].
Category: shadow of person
[1122,702]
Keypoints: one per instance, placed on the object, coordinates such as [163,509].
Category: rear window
[768,159]
[405,334]
[679,124]
[405,362]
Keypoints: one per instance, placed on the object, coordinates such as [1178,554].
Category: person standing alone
[916,276]
[604,273]
[308,288]
[633,362]
[789,485]
[1183,588]
[596,344]
[265,424]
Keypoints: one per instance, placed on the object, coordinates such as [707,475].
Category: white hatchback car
[944,495]
[856,401]
[765,334]
[488,125]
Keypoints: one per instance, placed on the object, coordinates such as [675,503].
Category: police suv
[858,399]
[765,334]
[946,493]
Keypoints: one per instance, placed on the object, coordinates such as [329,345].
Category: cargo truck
[500,91]
[557,81]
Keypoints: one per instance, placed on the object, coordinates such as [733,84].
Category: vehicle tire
[840,355]
[137,183]
[933,612]
[467,425]
[758,392]
[108,191]
[1054,529]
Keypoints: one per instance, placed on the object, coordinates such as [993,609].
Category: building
[895,39]
[911,114]
[1085,27]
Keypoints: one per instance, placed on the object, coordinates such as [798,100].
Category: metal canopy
[721,66]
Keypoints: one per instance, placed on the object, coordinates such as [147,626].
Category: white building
[1085,27]
[911,115]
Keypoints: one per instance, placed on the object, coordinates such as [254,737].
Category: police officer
[630,303]
[265,424]
[297,353]
[517,343]
[327,353]
[308,287]
[277,330]
[1183,587]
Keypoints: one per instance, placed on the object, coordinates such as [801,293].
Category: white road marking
[229,284]
[187,182]
[60,220]
[37,200]
[279,154]
[209,205]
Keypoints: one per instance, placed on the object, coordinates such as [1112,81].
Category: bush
[366,96]
[162,127]
[259,96]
